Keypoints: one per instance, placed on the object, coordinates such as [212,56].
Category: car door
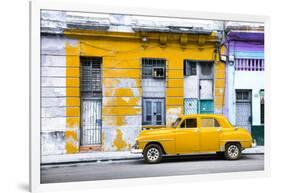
[187,136]
[210,131]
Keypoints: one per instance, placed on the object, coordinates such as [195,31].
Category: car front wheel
[232,151]
[153,154]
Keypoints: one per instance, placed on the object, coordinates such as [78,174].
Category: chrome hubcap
[233,151]
[152,154]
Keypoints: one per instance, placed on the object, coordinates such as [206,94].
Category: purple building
[245,79]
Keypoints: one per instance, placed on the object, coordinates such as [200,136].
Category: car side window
[189,123]
[209,122]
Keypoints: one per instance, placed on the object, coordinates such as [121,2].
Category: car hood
[156,131]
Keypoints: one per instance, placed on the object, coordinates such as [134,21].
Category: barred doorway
[243,109]
[91,103]
[91,122]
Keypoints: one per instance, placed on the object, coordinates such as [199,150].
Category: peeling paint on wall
[71,141]
[219,87]
[121,82]
[72,75]
[122,121]
[52,143]
[173,113]
[119,142]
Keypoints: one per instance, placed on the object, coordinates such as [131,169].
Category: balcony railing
[249,64]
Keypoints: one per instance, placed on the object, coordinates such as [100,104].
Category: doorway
[243,109]
[91,103]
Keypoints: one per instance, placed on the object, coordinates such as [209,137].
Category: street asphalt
[170,166]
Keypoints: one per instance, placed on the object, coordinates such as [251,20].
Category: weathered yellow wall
[121,78]
[72,81]
[219,84]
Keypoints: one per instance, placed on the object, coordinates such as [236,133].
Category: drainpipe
[226,92]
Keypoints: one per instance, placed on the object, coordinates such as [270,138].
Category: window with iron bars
[153,68]
[243,95]
[189,68]
[90,76]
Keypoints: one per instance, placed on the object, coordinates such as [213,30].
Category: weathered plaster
[53,124]
[72,75]
[121,74]
[119,142]
[173,113]
[52,143]
[71,140]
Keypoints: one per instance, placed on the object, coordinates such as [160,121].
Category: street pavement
[170,166]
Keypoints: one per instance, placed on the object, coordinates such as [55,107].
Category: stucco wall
[252,80]
[121,85]
[55,108]
[255,81]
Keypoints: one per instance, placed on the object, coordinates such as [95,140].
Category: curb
[114,159]
[256,153]
[89,161]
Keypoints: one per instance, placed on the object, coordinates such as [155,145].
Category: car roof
[202,115]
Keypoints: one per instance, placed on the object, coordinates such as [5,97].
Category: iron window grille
[91,84]
[190,68]
[243,95]
[153,68]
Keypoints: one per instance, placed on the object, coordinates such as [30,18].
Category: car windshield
[229,122]
[175,124]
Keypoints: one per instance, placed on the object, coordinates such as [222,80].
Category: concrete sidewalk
[254,150]
[105,156]
[89,157]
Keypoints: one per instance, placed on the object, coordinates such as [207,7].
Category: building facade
[245,79]
[100,87]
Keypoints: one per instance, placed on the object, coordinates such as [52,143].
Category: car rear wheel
[232,151]
[153,153]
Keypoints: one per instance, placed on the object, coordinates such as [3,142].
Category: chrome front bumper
[135,149]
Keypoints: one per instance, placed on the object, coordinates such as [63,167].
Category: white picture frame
[36,6]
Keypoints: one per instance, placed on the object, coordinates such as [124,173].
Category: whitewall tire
[232,151]
[153,154]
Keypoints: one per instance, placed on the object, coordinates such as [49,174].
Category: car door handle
[195,130]
[219,129]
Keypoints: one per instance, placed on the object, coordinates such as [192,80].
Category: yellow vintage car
[192,134]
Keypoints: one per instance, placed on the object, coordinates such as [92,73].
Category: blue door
[206,106]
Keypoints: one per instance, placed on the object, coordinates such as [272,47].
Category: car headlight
[135,146]
[136,140]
